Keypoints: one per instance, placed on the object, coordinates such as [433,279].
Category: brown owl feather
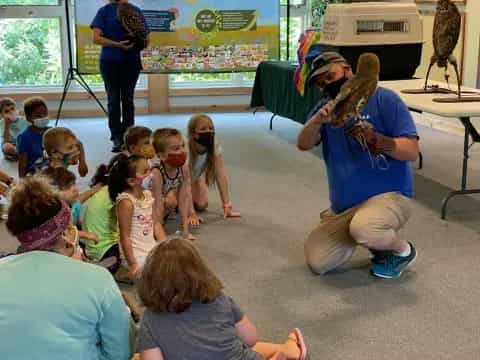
[133,23]
[356,92]
[446,30]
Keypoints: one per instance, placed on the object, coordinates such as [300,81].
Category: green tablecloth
[275,89]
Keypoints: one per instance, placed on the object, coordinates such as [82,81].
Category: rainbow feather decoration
[305,48]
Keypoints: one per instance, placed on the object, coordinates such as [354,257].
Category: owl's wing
[131,20]
[446,31]
[359,94]
[368,89]
[350,87]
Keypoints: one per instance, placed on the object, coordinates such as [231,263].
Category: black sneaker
[379,256]
[117,145]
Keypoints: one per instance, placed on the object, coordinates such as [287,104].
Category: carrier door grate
[379,26]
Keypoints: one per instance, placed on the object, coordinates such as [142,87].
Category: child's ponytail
[122,168]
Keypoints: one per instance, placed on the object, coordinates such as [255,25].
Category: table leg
[464,191]
[271,121]
[420,160]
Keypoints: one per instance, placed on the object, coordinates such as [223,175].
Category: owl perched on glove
[356,92]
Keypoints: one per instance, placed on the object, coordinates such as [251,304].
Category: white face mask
[41,122]
[12,116]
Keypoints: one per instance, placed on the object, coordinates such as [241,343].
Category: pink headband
[47,233]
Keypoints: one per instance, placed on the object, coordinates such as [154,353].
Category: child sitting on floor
[30,140]
[65,181]
[138,142]
[63,149]
[100,218]
[171,179]
[206,164]
[189,317]
[137,224]
[11,125]
[6,182]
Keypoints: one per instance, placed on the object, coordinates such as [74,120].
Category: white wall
[209,100]
[472,43]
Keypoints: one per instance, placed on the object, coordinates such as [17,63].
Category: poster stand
[72,73]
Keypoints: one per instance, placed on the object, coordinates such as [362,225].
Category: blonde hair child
[206,164]
[171,179]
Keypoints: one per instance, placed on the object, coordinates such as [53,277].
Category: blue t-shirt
[30,141]
[76,210]
[108,21]
[352,177]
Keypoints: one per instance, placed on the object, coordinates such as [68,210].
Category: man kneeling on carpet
[369,188]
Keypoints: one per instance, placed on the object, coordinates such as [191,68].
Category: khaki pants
[333,242]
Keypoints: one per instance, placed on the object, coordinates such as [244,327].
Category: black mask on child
[206,139]
[333,88]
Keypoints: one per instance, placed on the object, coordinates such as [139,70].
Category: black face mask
[206,139]
[333,88]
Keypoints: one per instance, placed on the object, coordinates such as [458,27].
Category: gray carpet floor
[429,313]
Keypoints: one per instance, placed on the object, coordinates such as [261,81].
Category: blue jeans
[120,78]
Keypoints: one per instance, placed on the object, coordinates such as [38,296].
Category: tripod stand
[73,73]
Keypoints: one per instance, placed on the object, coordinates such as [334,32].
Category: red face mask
[176,160]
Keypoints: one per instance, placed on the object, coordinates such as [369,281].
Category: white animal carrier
[391,30]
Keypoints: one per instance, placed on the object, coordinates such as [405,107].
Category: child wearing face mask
[137,223]
[207,165]
[29,141]
[65,182]
[170,179]
[63,149]
[11,125]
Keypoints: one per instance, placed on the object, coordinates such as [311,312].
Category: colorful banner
[193,35]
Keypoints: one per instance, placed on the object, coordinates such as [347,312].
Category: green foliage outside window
[318,10]
[30,52]
[28,2]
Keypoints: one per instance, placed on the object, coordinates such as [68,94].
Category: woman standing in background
[121,30]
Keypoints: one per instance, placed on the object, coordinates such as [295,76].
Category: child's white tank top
[141,233]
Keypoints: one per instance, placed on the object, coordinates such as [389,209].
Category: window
[293,2]
[28,2]
[34,49]
[296,29]
[31,56]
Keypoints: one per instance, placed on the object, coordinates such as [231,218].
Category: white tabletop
[423,102]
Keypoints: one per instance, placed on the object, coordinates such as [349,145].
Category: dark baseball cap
[322,63]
